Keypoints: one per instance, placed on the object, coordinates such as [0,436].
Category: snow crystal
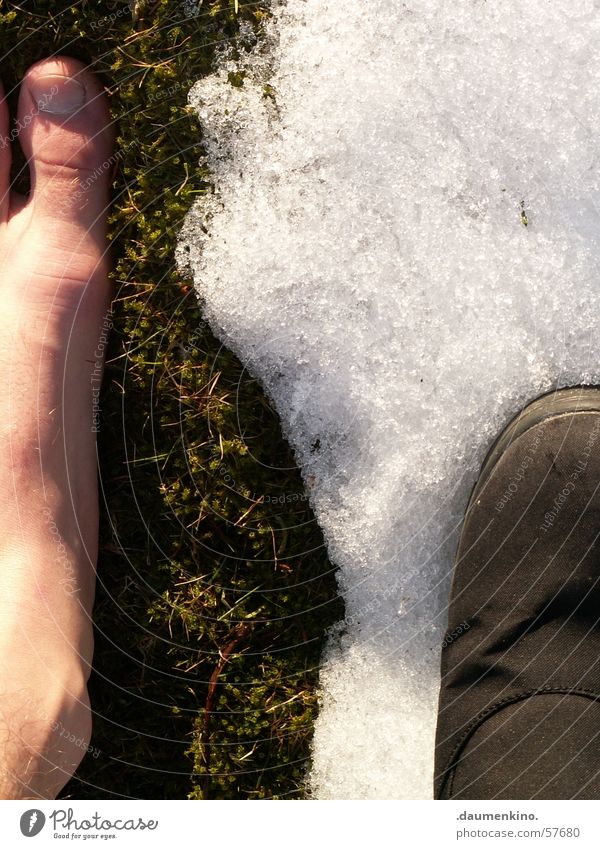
[404,246]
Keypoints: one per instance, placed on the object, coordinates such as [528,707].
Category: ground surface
[427,263]
[215,589]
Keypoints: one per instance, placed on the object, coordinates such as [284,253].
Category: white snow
[366,256]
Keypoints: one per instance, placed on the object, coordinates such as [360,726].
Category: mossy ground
[214,586]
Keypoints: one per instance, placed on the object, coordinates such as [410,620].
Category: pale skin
[54,301]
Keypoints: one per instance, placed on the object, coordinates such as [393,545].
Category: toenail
[57,94]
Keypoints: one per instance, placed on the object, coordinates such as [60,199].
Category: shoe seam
[447,780]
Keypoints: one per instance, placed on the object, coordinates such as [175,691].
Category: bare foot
[54,309]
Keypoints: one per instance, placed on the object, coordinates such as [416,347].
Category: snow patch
[404,247]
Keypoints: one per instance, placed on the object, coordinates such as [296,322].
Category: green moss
[214,586]
[236,78]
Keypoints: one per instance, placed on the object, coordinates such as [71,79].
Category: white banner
[297,825]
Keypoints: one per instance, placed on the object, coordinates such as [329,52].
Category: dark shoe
[519,711]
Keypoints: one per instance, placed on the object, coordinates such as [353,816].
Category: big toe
[67,137]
